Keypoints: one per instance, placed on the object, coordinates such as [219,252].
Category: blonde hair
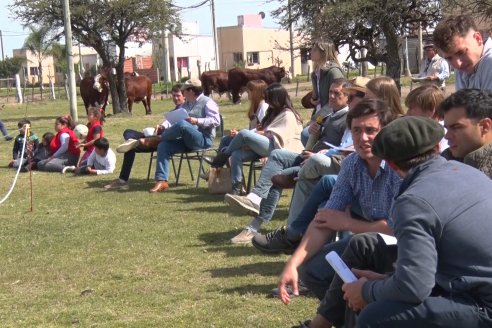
[428,97]
[329,53]
[385,88]
[256,90]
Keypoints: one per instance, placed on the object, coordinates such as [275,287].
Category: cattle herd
[95,90]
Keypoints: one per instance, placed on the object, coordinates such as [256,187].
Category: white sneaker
[68,169]
[117,184]
[243,203]
[127,146]
[244,237]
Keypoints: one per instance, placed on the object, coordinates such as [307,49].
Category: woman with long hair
[385,88]
[64,150]
[280,128]
[326,68]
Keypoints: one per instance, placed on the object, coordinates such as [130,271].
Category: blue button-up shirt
[355,185]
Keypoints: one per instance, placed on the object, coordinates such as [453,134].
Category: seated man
[436,281]
[263,199]
[364,181]
[468,120]
[137,142]
[195,132]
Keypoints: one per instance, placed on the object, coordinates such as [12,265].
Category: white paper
[340,267]
[349,149]
[389,240]
[176,115]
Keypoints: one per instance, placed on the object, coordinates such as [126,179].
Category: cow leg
[146,102]
[130,104]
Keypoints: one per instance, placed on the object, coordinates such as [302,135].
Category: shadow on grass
[263,290]
[217,238]
[265,269]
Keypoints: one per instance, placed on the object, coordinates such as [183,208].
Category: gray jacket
[443,226]
[328,73]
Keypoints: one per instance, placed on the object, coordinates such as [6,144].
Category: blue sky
[226,12]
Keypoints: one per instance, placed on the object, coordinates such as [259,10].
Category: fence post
[297,86]
[18,90]
[52,89]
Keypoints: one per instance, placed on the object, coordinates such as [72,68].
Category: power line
[198,5]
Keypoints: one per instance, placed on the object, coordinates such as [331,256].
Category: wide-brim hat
[358,85]
[193,82]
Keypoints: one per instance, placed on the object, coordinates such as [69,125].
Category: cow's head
[99,81]
[279,72]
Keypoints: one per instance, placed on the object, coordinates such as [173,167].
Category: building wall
[31,64]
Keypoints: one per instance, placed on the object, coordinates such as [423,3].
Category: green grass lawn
[86,257]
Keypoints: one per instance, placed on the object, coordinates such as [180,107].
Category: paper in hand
[176,115]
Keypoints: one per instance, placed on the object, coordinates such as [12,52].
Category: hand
[353,294]
[323,151]
[91,171]
[306,154]
[314,128]
[80,145]
[233,133]
[327,218]
[159,129]
[370,275]
[289,277]
[314,102]
[192,120]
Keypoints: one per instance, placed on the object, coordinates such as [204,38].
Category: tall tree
[105,25]
[39,42]
[374,25]
[10,66]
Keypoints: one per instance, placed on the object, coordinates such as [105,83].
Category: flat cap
[193,82]
[407,137]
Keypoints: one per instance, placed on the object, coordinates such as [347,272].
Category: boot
[150,143]
[220,160]
[237,188]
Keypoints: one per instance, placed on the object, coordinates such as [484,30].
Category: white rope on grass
[26,133]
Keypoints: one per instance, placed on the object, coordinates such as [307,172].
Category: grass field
[85,257]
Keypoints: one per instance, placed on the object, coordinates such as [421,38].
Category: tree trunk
[115,101]
[121,79]
[393,62]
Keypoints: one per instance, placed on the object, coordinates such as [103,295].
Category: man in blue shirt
[364,181]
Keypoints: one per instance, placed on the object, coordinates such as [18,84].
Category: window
[237,57]
[253,58]
[182,62]
[33,71]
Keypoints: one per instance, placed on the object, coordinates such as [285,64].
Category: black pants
[129,157]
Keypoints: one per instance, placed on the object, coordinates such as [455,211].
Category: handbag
[219,180]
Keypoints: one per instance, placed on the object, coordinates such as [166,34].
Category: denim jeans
[179,138]
[129,156]
[317,166]
[224,142]
[305,135]
[3,129]
[247,145]
[308,202]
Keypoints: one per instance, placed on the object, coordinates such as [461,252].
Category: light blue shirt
[354,184]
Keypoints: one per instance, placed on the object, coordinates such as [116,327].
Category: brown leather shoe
[160,186]
[150,143]
[284,181]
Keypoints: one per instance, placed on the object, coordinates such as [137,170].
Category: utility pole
[291,43]
[71,71]
[216,44]
[1,42]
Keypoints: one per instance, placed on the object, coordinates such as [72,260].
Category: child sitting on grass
[31,145]
[101,161]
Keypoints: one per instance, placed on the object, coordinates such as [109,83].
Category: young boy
[424,101]
[101,161]
[31,145]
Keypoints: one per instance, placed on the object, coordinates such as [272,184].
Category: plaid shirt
[355,185]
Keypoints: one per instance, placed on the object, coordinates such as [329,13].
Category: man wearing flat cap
[434,69]
[443,260]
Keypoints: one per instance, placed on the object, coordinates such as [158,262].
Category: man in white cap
[197,131]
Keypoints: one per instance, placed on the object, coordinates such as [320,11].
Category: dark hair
[98,114]
[371,107]
[341,81]
[177,88]
[48,136]
[477,103]
[67,120]
[23,122]
[451,27]
[102,143]
[196,90]
[278,100]
[407,164]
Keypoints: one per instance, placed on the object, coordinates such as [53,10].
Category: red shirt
[73,141]
[90,135]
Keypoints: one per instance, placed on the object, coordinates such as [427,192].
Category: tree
[374,25]
[59,53]
[105,25]
[9,67]
[481,10]
[39,43]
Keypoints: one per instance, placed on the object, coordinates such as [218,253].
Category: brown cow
[91,96]
[239,77]
[214,81]
[138,88]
